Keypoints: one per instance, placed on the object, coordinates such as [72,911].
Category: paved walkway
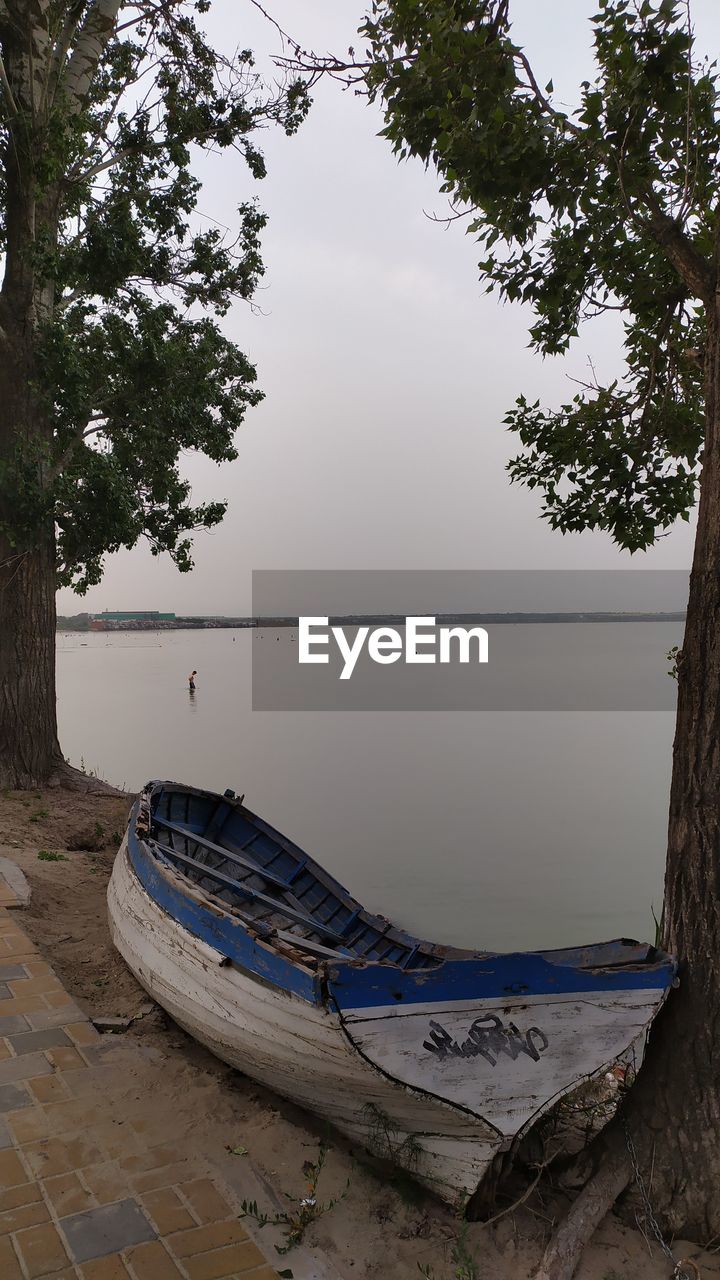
[89,1185]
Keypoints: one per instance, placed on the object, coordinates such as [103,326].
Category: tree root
[597,1197]
[70,779]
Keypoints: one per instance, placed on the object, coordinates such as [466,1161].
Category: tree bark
[587,1212]
[674,1110]
[672,1113]
[29,749]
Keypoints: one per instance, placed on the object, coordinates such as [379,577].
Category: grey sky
[386,369]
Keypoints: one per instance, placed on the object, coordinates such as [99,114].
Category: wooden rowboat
[436,1058]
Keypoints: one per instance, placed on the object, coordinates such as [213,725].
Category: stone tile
[116,1138]
[9,1262]
[263,1273]
[5,993]
[75,1117]
[13,1097]
[15,945]
[4,1050]
[106,1181]
[82,1033]
[81,1084]
[60,1000]
[152,1262]
[64,1058]
[12,1171]
[36,986]
[97,1054]
[8,971]
[29,1125]
[43,1017]
[35,1040]
[54,1155]
[22,1004]
[24,1068]
[224,1262]
[167,1176]
[167,1211]
[151,1158]
[23,1193]
[201,1239]
[25,1215]
[106,1230]
[110,1268]
[41,1250]
[13,1025]
[15,881]
[67,1194]
[49,1089]
[5,1136]
[205,1200]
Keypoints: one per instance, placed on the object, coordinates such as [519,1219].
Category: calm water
[498,829]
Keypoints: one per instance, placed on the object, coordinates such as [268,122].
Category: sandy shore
[382,1227]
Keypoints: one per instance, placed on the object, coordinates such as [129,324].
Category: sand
[381,1225]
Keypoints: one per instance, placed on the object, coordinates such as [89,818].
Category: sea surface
[499,829]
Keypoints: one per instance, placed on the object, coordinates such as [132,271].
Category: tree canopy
[611,206]
[105,106]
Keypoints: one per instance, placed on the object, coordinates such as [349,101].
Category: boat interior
[232,854]
[241,860]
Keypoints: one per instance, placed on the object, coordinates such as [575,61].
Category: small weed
[658,925]
[38,815]
[304,1211]
[99,830]
[463,1260]
[384,1139]
[45,856]
[674,657]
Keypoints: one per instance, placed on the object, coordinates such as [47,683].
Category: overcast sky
[387,370]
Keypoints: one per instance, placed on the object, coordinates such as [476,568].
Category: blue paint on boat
[492,978]
[220,931]
[258,884]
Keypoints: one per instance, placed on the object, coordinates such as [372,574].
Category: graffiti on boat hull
[488,1038]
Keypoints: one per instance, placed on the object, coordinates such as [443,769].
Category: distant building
[129,620]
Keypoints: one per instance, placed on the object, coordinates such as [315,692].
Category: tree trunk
[674,1110]
[29,750]
[672,1113]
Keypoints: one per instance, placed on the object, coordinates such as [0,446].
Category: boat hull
[434,1058]
[298,1049]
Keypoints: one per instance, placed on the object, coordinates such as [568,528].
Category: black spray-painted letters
[487,1038]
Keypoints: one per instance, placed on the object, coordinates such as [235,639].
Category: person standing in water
[191,681]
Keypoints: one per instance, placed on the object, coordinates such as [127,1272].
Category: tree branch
[7,91]
[94,35]
[63,43]
[694,270]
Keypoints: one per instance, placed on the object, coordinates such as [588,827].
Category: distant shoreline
[212,623]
